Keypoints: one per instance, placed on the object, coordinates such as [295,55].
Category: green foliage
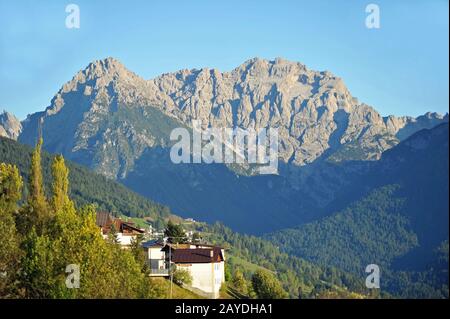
[431,282]
[113,237]
[182,277]
[10,193]
[37,202]
[60,184]
[35,261]
[293,272]
[139,253]
[196,237]
[227,271]
[86,187]
[372,230]
[239,282]
[267,286]
[10,187]
[175,233]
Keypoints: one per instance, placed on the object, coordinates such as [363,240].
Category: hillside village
[211,150]
[89,219]
[130,247]
[164,254]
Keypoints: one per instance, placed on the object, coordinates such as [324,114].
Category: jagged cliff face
[100,118]
[10,126]
[117,123]
[313,111]
[106,115]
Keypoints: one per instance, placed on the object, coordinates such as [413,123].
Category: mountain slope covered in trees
[298,277]
[86,187]
[118,124]
[396,216]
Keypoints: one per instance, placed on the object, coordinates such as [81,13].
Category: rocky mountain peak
[314,112]
[100,83]
[101,73]
[10,125]
[109,67]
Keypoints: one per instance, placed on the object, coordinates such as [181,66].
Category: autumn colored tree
[60,185]
[10,194]
[59,237]
[36,213]
[267,286]
[239,282]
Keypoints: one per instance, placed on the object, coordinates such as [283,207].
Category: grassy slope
[177,291]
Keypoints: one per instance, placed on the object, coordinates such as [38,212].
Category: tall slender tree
[37,202]
[60,184]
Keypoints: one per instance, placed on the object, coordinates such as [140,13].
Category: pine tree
[175,233]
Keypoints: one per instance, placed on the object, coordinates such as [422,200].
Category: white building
[156,258]
[205,263]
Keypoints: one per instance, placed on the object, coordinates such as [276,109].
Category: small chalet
[125,230]
[205,263]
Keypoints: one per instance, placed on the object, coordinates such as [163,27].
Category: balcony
[159,272]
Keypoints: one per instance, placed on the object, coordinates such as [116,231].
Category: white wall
[156,257]
[208,277]
[124,240]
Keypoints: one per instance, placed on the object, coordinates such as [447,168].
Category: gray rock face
[313,111]
[106,115]
[10,126]
[117,123]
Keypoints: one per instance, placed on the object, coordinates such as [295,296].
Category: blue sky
[401,68]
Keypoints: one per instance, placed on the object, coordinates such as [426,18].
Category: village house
[125,231]
[205,263]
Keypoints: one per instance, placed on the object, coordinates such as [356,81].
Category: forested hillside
[300,278]
[43,231]
[86,187]
[399,222]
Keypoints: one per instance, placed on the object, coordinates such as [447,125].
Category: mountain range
[353,187]
[118,124]
[313,111]
[10,125]
[394,215]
